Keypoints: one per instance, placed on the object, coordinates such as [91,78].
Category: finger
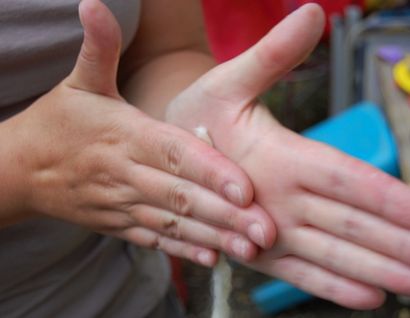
[355,183]
[322,283]
[171,193]
[189,199]
[349,260]
[97,64]
[356,226]
[150,239]
[253,228]
[242,79]
[189,230]
[178,152]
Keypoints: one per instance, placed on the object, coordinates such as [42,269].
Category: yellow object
[401,74]
[381,4]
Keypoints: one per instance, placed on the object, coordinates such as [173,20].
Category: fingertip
[271,235]
[269,230]
[241,248]
[314,9]
[368,299]
[309,17]
[247,193]
[240,195]
[315,16]
[99,22]
[261,228]
[240,191]
[262,235]
[97,63]
[207,166]
[377,300]
[206,258]
[87,8]
[235,193]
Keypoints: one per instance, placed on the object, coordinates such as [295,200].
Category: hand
[96,161]
[342,225]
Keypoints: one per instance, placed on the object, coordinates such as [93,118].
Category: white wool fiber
[222,273]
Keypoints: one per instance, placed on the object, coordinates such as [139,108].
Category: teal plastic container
[362,132]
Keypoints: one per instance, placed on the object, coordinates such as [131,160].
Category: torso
[40,40]
[49,268]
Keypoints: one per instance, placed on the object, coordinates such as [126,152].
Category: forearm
[14,186]
[157,82]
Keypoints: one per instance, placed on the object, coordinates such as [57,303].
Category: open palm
[342,225]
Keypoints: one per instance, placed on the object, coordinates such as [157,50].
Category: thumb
[97,64]
[242,79]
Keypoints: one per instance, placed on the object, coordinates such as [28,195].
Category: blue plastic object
[277,296]
[362,132]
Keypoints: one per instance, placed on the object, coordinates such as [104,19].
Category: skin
[342,225]
[104,164]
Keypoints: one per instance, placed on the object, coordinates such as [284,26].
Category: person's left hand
[98,162]
[342,225]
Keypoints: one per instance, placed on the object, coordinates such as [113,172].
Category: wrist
[14,174]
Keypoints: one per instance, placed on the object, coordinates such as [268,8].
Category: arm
[81,154]
[168,54]
[14,190]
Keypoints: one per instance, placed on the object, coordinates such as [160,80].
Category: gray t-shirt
[50,268]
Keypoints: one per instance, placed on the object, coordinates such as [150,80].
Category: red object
[178,279]
[235,25]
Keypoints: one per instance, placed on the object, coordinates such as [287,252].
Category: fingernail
[233,193]
[256,234]
[205,258]
[240,247]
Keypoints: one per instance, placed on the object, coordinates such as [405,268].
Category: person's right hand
[94,160]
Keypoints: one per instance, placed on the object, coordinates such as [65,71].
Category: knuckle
[173,156]
[111,221]
[105,179]
[111,198]
[221,241]
[340,179]
[231,219]
[155,242]
[122,222]
[172,227]
[352,227]
[330,290]
[403,248]
[99,165]
[88,56]
[210,178]
[337,181]
[400,215]
[299,278]
[330,257]
[178,197]
[385,203]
